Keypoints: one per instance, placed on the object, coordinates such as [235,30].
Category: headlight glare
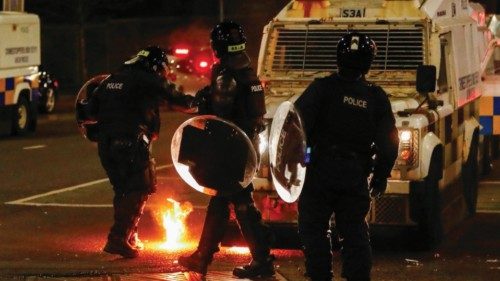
[405,136]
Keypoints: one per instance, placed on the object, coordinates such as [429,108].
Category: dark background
[82,38]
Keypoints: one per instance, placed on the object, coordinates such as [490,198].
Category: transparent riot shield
[287,152]
[213,155]
[87,126]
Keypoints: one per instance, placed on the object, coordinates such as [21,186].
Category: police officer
[126,107]
[344,115]
[235,94]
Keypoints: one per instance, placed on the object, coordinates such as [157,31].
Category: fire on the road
[174,224]
[176,232]
[239,250]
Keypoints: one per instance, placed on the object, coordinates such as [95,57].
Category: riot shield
[287,152]
[213,155]
[87,127]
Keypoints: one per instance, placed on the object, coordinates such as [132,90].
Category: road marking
[23,201]
[62,205]
[486,211]
[71,188]
[34,147]
[489,182]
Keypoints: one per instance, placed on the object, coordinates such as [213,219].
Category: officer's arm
[256,106]
[386,139]
[202,99]
[176,99]
[309,105]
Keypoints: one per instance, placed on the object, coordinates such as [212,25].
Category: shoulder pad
[375,87]
[245,75]
[225,83]
[325,79]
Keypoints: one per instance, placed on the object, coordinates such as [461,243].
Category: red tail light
[203,64]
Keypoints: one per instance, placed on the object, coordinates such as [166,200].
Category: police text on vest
[355,102]
[114,86]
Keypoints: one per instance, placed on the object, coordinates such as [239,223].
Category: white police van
[19,75]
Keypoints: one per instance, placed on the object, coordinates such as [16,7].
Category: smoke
[194,34]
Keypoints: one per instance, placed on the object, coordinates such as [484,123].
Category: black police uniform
[235,94]
[126,105]
[342,118]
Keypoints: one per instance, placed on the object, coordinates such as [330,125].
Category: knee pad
[355,237]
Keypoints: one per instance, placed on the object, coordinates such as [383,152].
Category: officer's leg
[314,221]
[132,181]
[143,180]
[353,229]
[128,208]
[213,232]
[257,235]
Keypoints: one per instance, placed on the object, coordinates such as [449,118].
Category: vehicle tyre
[22,118]
[49,100]
[430,224]
[470,177]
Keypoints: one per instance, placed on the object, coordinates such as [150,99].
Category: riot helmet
[356,51]
[152,58]
[227,37]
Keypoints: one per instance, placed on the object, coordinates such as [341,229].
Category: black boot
[128,209]
[120,246]
[213,231]
[263,268]
[259,237]
[197,262]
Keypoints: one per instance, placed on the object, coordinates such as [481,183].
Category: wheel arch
[22,89]
[431,145]
[471,132]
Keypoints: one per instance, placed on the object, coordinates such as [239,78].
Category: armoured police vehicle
[19,75]
[434,182]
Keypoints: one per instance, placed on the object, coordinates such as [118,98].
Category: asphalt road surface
[55,213]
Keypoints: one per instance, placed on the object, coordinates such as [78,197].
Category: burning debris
[174,224]
[238,250]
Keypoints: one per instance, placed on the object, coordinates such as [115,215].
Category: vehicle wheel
[430,224]
[50,101]
[470,177]
[22,117]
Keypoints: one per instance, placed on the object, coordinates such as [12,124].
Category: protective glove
[377,186]
[258,125]
[293,168]
[201,97]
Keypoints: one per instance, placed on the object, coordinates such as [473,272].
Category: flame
[174,225]
[239,250]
